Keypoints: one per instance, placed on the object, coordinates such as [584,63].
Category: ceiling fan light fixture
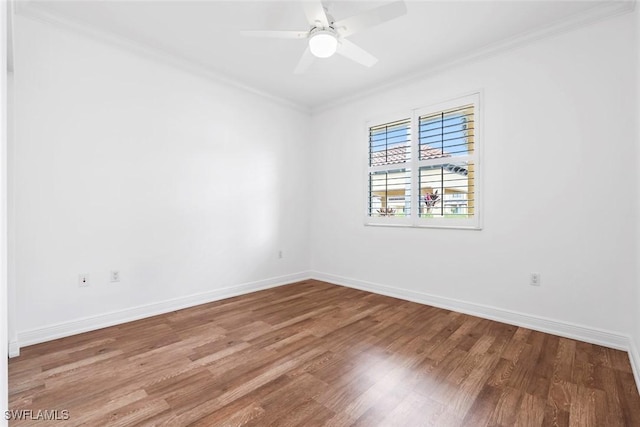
[323,43]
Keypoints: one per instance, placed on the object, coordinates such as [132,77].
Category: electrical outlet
[534,279]
[115,276]
[83,280]
[280,254]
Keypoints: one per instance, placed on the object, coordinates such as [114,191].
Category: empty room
[310,213]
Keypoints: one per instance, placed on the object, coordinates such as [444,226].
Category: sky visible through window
[446,132]
[392,135]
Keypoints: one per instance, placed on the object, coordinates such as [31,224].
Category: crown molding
[610,9]
[154,53]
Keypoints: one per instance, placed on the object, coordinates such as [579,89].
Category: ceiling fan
[327,36]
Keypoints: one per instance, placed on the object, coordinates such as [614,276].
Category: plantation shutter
[389,178]
[446,143]
[423,167]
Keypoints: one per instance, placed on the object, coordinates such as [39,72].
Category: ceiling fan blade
[315,13]
[356,53]
[305,62]
[370,18]
[277,34]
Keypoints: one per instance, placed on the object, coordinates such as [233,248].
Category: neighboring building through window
[424,168]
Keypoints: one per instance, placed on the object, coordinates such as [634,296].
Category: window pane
[447,190]
[390,193]
[447,133]
[390,143]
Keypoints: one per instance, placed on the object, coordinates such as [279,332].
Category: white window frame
[414,165]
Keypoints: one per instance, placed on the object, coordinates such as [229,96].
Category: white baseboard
[634,357]
[100,321]
[14,349]
[555,327]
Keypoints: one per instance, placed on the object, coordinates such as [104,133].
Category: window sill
[432,226]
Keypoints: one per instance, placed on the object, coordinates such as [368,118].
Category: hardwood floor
[318,354]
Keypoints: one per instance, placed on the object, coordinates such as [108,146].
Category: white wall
[635,353]
[559,160]
[4,377]
[122,163]
[11,287]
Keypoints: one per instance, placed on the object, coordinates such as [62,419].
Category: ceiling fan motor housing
[323,42]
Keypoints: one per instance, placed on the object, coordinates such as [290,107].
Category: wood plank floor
[312,353]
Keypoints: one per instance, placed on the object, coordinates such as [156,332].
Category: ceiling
[206,34]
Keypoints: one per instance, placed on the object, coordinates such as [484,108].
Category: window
[424,168]
[389,178]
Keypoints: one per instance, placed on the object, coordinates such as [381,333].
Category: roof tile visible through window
[401,154]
